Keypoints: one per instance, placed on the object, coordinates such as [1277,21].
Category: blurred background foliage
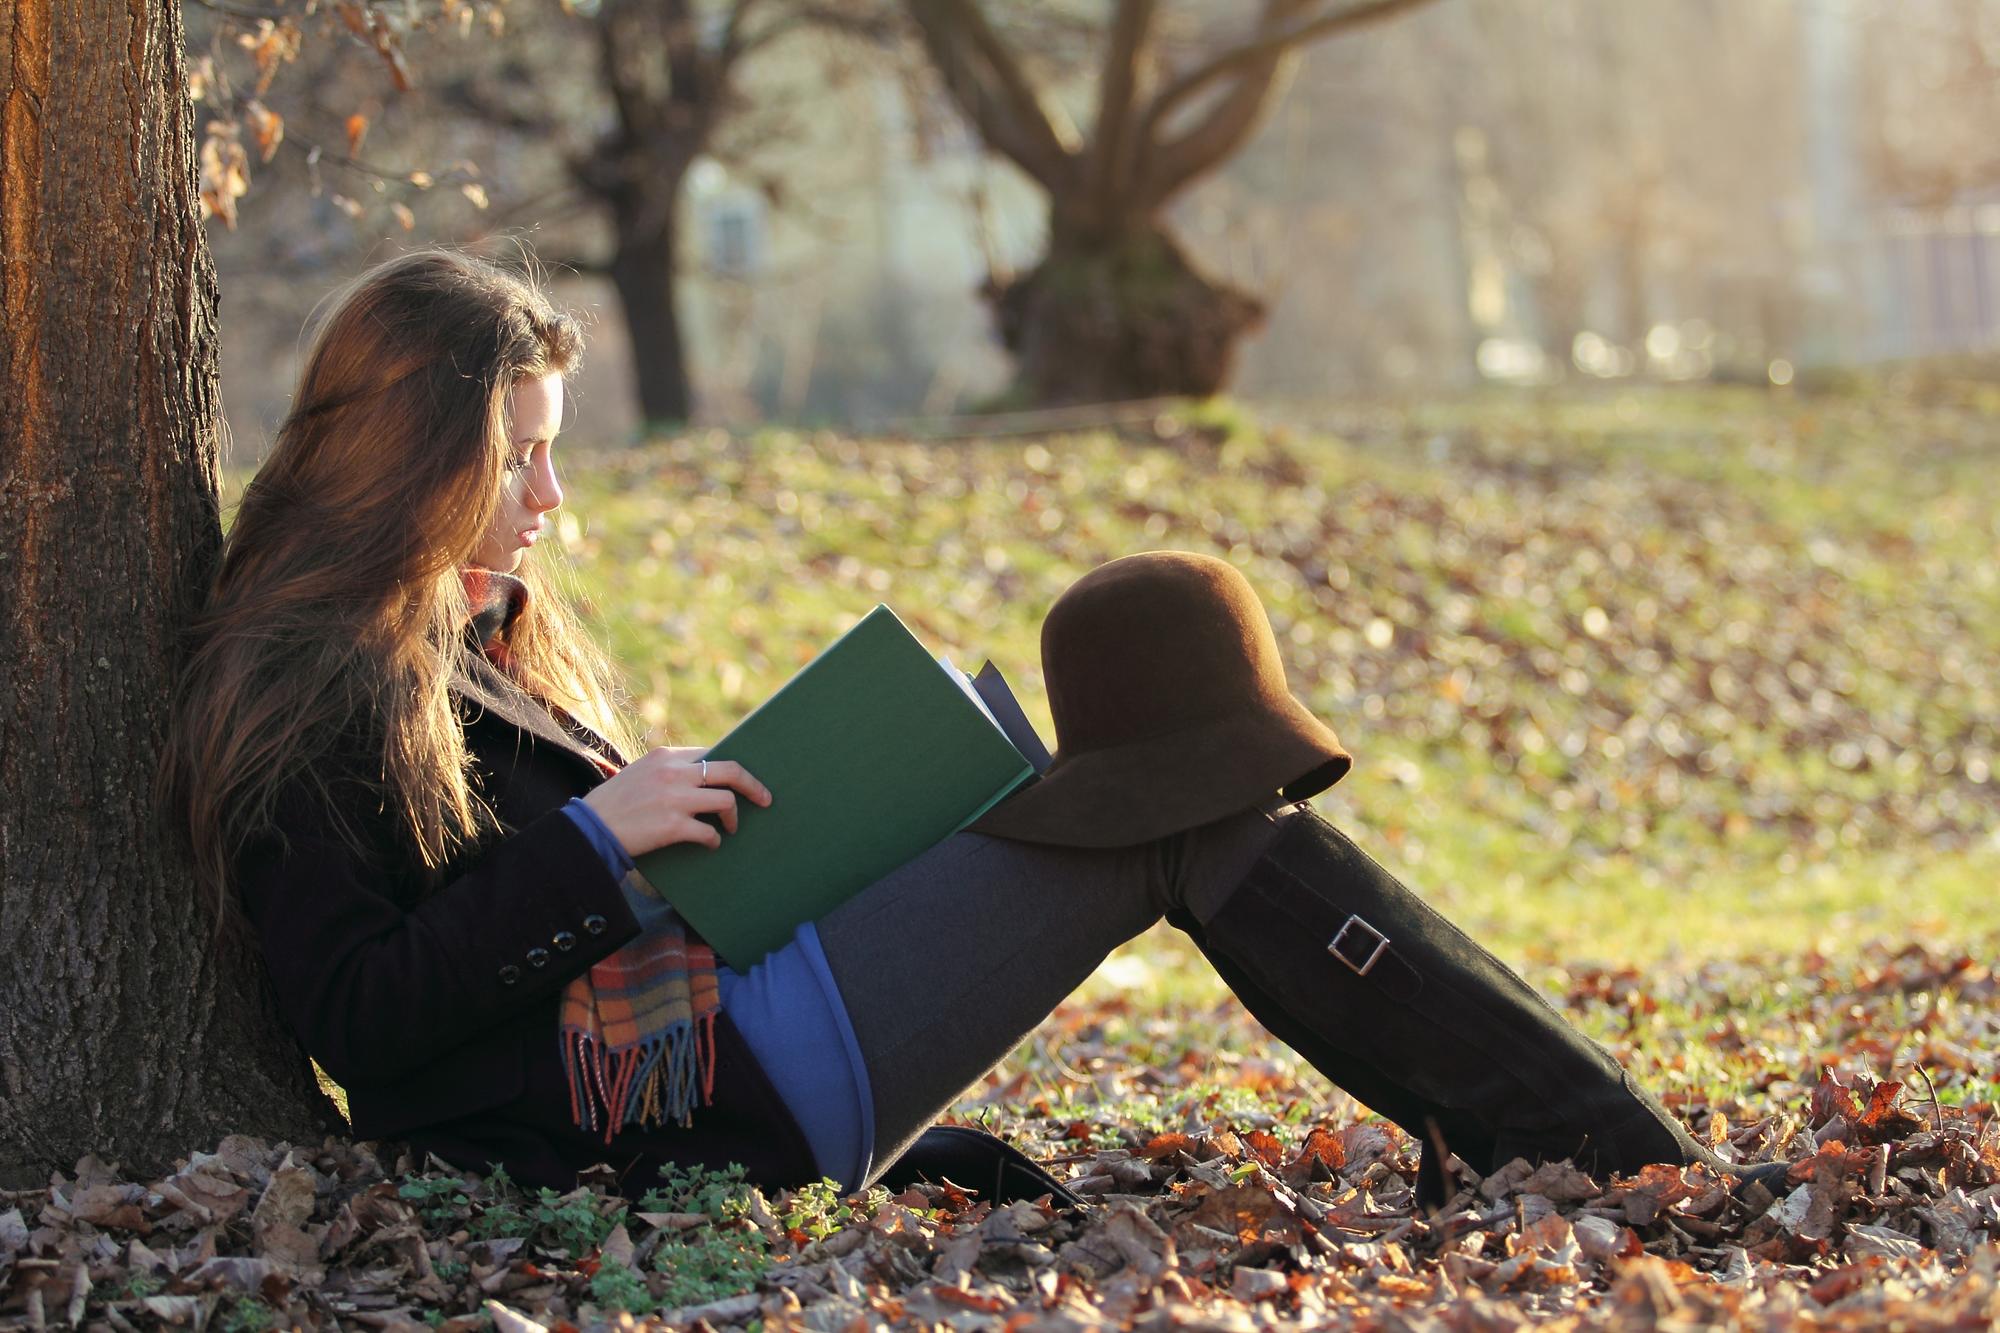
[796,210]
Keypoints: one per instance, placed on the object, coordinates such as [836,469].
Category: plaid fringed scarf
[638,1029]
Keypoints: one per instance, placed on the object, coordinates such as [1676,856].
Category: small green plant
[708,1264]
[577,1225]
[721,1258]
[722,1194]
[134,1286]
[502,1221]
[615,1287]
[439,1201]
[248,1315]
[574,1224]
[818,1209]
[502,1216]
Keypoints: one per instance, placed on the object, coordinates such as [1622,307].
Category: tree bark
[646,274]
[123,1029]
[669,91]
[1105,319]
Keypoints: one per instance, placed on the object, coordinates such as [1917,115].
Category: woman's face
[534,412]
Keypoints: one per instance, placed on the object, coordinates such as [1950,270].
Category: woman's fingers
[696,830]
[715,801]
[685,764]
[729,773]
[665,796]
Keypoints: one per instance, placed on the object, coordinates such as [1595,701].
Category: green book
[873,752]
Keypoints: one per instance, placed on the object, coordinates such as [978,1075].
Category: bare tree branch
[1261,67]
[986,80]
[614,47]
[1271,40]
[1006,66]
[874,27]
[468,96]
[1117,99]
[733,42]
[538,208]
[1163,168]
[250,12]
[317,155]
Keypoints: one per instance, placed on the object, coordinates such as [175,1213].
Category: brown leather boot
[1400,1008]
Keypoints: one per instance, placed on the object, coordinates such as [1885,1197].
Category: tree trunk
[1125,316]
[1562,313]
[123,1030]
[645,271]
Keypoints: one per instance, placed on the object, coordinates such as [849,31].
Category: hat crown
[1155,643]
[1170,708]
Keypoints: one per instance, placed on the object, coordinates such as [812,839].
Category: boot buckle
[1362,952]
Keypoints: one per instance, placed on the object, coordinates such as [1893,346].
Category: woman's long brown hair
[322,660]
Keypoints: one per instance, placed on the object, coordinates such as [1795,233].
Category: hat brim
[1122,795]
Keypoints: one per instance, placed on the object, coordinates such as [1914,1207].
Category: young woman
[403,766]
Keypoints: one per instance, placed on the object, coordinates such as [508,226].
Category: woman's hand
[655,800]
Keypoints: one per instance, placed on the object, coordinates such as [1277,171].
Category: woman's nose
[544,491]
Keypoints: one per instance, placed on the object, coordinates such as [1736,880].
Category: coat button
[509,975]
[538,957]
[596,924]
[564,940]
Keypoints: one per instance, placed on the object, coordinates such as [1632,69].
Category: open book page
[964,682]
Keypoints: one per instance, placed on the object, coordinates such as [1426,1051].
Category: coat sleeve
[375,990]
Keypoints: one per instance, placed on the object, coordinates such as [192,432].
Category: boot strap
[1358,944]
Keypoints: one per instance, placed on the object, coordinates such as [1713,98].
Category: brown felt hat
[1170,707]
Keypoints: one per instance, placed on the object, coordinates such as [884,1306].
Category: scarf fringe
[662,1078]
[635,1077]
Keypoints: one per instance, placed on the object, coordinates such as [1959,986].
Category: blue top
[792,1017]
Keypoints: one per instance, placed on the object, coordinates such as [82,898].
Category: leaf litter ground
[1709,677]
[1227,1188]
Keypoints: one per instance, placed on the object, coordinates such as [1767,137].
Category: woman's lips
[529,536]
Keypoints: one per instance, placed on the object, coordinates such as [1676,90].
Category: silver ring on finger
[703,781]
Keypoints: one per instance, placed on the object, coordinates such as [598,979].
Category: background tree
[669,70]
[123,1030]
[1116,310]
[590,113]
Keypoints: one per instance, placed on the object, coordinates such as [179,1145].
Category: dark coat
[437,1012]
